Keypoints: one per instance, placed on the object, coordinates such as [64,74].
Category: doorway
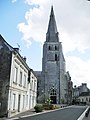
[53,99]
[53,96]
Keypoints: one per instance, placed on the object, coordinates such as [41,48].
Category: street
[71,113]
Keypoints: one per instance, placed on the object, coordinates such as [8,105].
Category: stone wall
[5,63]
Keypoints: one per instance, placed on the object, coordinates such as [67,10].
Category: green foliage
[38,108]
[62,101]
[51,107]
[49,101]
[48,107]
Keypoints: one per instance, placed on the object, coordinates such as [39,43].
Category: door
[53,99]
[53,96]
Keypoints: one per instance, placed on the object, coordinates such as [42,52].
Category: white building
[32,90]
[84,97]
[78,90]
[19,83]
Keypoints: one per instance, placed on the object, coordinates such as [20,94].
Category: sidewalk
[29,112]
[26,113]
[87,118]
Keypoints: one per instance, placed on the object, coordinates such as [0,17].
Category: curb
[83,114]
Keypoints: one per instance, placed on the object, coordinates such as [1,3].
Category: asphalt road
[71,113]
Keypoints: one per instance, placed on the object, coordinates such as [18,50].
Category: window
[23,101]
[82,100]
[0,105]
[89,99]
[27,101]
[15,75]
[30,102]
[53,92]
[10,101]
[14,97]
[56,58]
[49,48]
[56,48]
[20,78]
[86,99]
[24,82]
[34,85]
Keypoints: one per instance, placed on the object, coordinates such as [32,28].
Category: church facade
[53,80]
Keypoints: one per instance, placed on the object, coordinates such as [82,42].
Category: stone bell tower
[53,64]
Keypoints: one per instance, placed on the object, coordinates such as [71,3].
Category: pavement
[26,113]
[87,118]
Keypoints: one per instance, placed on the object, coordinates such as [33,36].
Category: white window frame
[14,99]
[23,101]
[15,75]
[24,82]
[20,79]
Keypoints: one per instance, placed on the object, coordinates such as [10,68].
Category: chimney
[84,84]
[24,58]
[17,49]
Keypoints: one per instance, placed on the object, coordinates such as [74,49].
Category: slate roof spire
[52,33]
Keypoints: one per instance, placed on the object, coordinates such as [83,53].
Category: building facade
[84,97]
[53,82]
[69,94]
[80,89]
[18,83]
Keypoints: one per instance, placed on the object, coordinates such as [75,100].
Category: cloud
[36,2]
[13,1]
[33,29]
[79,70]
[73,23]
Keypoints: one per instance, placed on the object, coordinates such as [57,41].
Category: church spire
[52,33]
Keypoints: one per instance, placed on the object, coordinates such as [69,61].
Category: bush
[51,107]
[38,108]
[48,107]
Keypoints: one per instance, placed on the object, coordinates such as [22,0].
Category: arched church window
[53,92]
[56,48]
[49,48]
[56,57]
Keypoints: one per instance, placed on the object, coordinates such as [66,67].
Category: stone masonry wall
[5,64]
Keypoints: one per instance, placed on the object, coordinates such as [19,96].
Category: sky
[25,23]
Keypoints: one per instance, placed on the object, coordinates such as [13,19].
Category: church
[54,82]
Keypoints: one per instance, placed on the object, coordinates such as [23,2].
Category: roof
[52,33]
[14,51]
[85,94]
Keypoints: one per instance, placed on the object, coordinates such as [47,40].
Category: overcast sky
[25,22]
